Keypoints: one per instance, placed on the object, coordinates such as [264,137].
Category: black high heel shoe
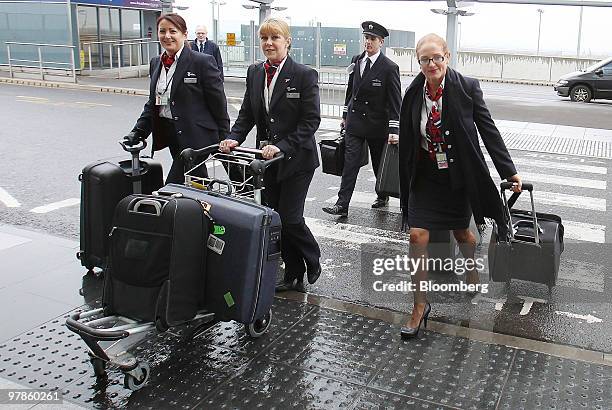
[410,332]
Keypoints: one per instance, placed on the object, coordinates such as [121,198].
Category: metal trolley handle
[508,203]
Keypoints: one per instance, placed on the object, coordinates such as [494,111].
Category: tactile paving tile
[539,381]
[233,336]
[448,370]
[276,386]
[372,399]
[47,357]
[336,344]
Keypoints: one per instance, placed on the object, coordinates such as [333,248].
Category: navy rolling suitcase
[103,185]
[243,255]
[530,247]
[157,259]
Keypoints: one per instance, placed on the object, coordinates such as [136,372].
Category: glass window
[607,69]
[109,31]
[87,20]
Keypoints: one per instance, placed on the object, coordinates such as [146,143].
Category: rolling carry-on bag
[332,154]
[529,247]
[387,182]
[157,259]
[103,185]
[243,254]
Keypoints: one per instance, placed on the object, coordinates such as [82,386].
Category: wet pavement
[317,353]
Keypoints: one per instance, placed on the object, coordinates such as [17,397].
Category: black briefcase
[529,248]
[387,182]
[332,155]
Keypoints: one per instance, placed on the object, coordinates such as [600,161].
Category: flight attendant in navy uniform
[371,112]
[444,178]
[282,101]
[187,107]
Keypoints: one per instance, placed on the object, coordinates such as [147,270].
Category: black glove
[132,138]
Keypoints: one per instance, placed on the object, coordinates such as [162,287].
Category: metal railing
[130,60]
[115,43]
[41,64]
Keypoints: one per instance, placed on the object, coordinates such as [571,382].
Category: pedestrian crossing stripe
[562,166]
[558,180]
[574,230]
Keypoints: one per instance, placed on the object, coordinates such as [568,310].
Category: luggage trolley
[97,327]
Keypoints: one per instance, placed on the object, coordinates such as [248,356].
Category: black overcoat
[464,115]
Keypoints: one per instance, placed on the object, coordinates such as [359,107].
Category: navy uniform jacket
[464,116]
[293,119]
[210,48]
[197,101]
[372,104]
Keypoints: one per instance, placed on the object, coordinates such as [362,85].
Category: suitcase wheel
[259,326]
[137,378]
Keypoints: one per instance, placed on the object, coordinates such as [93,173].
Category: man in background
[204,45]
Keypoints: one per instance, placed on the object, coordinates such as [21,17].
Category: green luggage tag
[229,299]
[219,230]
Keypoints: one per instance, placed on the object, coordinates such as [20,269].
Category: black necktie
[201,47]
[366,70]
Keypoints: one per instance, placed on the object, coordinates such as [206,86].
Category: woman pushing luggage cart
[166,269]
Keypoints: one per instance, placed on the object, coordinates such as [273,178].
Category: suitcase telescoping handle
[135,151]
[509,203]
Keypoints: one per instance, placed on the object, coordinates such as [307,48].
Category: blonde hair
[432,38]
[276,26]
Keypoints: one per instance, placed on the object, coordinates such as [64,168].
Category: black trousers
[352,163]
[299,247]
[176,174]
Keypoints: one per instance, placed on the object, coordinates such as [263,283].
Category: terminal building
[84,24]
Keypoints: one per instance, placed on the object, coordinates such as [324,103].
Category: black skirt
[432,204]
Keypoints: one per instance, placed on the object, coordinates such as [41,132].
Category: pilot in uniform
[371,112]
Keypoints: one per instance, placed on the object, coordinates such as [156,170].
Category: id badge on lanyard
[442,160]
[161,99]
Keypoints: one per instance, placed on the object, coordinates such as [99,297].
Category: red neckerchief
[167,61]
[270,71]
[434,125]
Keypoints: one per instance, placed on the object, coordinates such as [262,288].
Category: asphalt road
[48,135]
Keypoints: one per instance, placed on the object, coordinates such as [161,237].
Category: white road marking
[565,200]
[236,106]
[564,166]
[55,206]
[585,232]
[355,234]
[8,200]
[333,188]
[27,97]
[330,134]
[558,180]
[311,199]
[588,318]
[528,303]
[92,104]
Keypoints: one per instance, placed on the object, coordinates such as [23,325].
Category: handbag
[332,154]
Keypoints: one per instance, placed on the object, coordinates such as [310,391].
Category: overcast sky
[493,27]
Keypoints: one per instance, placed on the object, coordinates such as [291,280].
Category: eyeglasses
[435,59]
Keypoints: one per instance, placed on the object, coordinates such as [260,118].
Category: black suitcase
[157,259]
[387,182]
[520,251]
[103,185]
[243,257]
[332,155]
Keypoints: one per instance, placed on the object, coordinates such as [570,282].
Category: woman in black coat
[444,178]
[282,100]
[187,107]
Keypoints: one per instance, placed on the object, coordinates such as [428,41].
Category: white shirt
[362,62]
[269,91]
[425,110]
[164,85]
[201,45]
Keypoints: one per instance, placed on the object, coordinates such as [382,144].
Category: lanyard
[168,81]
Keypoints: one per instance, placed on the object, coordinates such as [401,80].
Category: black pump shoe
[410,332]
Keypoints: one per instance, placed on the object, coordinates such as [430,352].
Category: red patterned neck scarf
[167,61]
[433,128]
[270,71]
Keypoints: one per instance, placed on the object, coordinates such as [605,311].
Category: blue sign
[137,4]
